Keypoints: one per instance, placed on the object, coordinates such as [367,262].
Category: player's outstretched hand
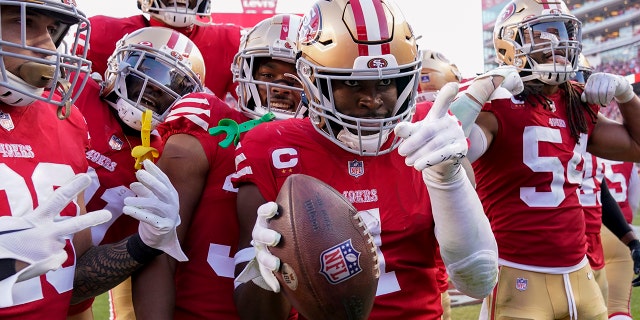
[260,269]
[38,237]
[156,206]
[436,144]
[601,88]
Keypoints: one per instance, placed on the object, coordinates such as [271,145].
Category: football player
[622,179]
[149,70]
[604,214]
[437,71]
[529,125]
[217,42]
[201,166]
[44,138]
[359,64]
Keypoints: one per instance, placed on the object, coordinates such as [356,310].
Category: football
[329,267]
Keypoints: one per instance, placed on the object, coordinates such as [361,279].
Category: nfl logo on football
[340,262]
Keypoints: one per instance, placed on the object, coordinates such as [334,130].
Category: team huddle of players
[143,155]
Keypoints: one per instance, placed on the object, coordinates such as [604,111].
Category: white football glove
[512,82]
[601,88]
[38,237]
[157,208]
[436,144]
[481,89]
[260,269]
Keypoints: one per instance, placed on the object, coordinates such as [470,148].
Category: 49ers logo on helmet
[310,28]
[178,56]
[377,63]
[508,12]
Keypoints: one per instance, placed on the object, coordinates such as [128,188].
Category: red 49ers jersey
[218,44]
[204,284]
[618,176]
[589,195]
[111,165]
[38,153]
[527,182]
[390,196]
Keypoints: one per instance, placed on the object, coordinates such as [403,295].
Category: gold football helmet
[178,13]
[272,38]
[150,69]
[357,40]
[44,74]
[436,71]
[539,37]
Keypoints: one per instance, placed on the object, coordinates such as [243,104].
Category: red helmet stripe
[284,31]
[548,5]
[384,31]
[189,47]
[173,39]
[370,27]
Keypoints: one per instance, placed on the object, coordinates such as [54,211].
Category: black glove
[634,245]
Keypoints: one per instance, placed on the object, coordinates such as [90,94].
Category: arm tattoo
[102,268]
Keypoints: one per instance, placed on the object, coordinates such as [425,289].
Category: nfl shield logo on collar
[115,143]
[356,168]
[6,122]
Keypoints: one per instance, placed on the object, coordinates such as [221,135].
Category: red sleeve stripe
[284,31]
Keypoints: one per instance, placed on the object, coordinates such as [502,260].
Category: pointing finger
[443,100]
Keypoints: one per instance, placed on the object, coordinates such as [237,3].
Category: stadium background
[611,43]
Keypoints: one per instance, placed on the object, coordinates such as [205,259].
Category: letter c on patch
[284,158]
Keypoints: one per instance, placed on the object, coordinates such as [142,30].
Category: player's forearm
[468,246]
[153,289]
[612,216]
[103,267]
[253,302]
[631,120]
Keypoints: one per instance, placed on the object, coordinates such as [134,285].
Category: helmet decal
[311,25]
[377,63]
[509,10]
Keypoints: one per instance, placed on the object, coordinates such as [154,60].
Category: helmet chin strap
[34,82]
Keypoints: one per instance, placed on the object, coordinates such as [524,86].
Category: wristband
[634,244]
[139,251]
